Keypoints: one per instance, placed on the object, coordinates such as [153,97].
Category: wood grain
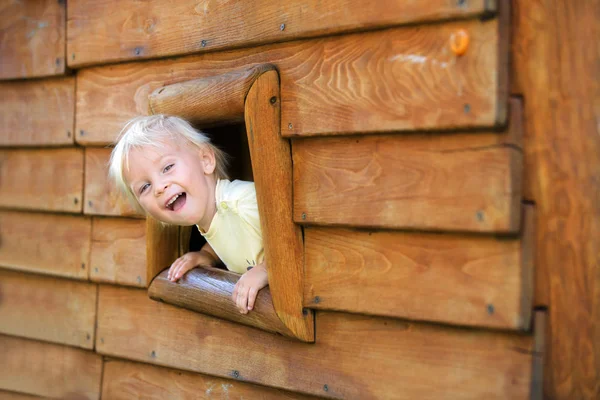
[440,182]
[124,380]
[215,99]
[162,247]
[397,79]
[118,251]
[32,38]
[355,356]
[49,309]
[103,32]
[208,291]
[48,180]
[559,82]
[272,168]
[45,243]
[455,279]
[539,347]
[101,196]
[49,370]
[37,113]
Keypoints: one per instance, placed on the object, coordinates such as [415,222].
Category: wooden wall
[412,164]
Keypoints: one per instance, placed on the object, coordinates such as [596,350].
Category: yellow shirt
[234,232]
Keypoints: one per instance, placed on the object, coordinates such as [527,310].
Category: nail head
[317,299]
[303,215]
[203,43]
[326,388]
[490,309]
[281,27]
[290,126]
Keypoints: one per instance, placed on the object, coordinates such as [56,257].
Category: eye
[144,187]
[167,168]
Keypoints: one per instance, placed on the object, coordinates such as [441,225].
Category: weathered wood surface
[37,113]
[272,168]
[118,251]
[558,78]
[100,33]
[32,38]
[125,380]
[353,357]
[49,309]
[162,247]
[209,290]
[457,182]
[45,243]
[48,180]
[49,370]
[457,279]
[398,79]
[101,196]
[215,99]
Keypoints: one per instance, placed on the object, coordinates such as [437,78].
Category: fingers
[252,297]
[242,300]
[179,268]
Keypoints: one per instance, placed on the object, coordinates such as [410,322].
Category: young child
[173,173]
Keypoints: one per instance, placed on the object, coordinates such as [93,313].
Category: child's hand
[190,261]
[246,289]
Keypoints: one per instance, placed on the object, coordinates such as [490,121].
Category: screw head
[57,61]
[139,279]
[96,269]
[317,300]
[290,126]
[138,51]
[101,340]
[153,354]
[203,43]
[490,309]
[480,216]
[72,56]
[68,133]
[88,337]
[467,108]
[75,200]
[461,3]
[235,374]
[81,132]
[82,265]
[326,388]
[281,27]
[303,215]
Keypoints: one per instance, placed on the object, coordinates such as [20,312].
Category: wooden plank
[539,348]
[37,113]
[457,182]
[5,395]
[398,79]
[464,280]
[49,370]
[45,243]
[118,251]
[208,291]
[100,33]
[162,247]
[353,356]
[49,309]
[272,168]
[48,180]
[124,380]
[32,38]
[101,196]
[559,82]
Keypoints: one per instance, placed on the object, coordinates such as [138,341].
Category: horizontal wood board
[457,279]
[49,309]
[398,79]
[118,251]
[50,244]
[48,179]
[38,112]
[49,370]
[101,195]
[32,38]
[124,380]
[6,395]
[441,182]
[353,357]
[104,32]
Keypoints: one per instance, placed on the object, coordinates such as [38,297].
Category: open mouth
[176,202]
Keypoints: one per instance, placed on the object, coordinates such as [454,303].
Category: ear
[209,163]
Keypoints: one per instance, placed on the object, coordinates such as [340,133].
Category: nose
[160,188]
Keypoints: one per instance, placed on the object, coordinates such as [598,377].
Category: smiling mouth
[176,202]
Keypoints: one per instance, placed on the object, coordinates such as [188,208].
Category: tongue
[180,202]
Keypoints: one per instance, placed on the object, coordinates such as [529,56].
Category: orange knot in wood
[459,42]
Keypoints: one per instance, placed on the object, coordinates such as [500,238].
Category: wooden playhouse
[427,174]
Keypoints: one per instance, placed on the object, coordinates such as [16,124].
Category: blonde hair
[150,131]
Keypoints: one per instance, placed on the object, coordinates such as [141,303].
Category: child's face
[174,183]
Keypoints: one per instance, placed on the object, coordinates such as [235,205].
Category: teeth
[173,199]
